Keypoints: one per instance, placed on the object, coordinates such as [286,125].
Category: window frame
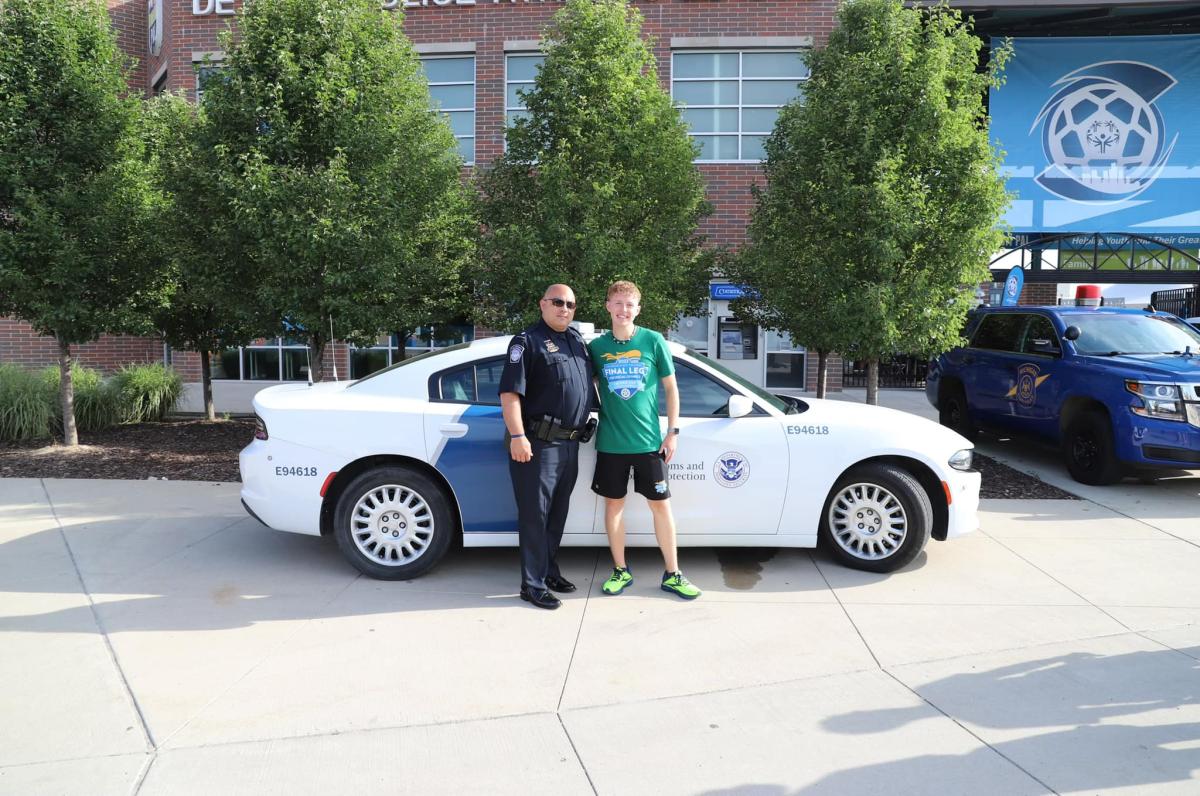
[434,384]
[279,346]
[474,109]
[740,52]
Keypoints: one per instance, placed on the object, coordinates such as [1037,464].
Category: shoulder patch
[515,352]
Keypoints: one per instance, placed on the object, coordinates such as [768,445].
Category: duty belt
[548,430]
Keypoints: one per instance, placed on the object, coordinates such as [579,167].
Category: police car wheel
[954,414]
[393,523]
[877,518]
[1089,450]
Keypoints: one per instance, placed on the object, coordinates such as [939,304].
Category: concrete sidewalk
[155,640]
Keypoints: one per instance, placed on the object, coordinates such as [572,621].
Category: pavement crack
[574,749]
[578,632]
[842,605]
[265,657]
[147,735]
[970,732]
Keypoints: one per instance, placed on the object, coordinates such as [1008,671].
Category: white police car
[398,464]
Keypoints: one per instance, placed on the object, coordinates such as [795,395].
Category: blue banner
[1013,286]
[1101,134]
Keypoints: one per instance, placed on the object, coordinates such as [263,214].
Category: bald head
[555,310]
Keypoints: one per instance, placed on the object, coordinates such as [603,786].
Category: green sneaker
[617,581]
[675,582]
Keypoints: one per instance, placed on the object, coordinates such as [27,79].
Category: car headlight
[962,460]
[1163,401]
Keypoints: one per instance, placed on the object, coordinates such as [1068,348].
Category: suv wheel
[953,412]
[1089,451]
[393,523]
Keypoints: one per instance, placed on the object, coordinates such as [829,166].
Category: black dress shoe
[540,597]
[560,585]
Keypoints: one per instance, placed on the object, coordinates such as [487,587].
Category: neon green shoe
[617,581]
[675,582]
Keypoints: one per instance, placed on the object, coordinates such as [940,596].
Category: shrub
[146,392]
[26,405]
[96,404]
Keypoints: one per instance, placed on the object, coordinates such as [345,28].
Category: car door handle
[453,430]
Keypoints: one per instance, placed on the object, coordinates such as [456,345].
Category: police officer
[545,393]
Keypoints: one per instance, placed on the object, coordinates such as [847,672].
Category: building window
[452,90]
[204,73]
[519,73]
[731,99]
[271,359]
[387,351]
[160,85]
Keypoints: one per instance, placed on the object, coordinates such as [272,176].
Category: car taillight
[260,428]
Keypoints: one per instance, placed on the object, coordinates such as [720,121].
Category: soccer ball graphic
[1105,135]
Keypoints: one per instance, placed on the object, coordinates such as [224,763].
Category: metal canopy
[1067,18]
[1116,258]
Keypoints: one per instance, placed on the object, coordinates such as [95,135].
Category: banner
[1101,134]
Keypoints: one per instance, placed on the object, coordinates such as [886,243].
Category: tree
[343,197]
[598,182]
[883,198]
[210,308]
[76,201]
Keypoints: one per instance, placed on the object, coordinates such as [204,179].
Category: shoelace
[618,575]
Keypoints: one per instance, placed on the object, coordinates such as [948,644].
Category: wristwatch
[673,430]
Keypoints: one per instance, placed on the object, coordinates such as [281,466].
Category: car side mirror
[740,405]
[1072,333]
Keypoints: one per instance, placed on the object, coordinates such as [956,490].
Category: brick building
[733,61]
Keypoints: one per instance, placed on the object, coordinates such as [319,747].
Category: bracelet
[516,436]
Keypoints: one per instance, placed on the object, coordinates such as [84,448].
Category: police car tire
[954,414]
[437,509]
[913,499]
[1091,428]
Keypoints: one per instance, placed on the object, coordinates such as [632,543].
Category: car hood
[902,428]
[1167,366]
[299,396]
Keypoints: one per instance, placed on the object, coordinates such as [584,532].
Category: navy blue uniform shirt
[552,372]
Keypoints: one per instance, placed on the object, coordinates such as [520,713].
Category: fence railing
[898,371]
[1184,302]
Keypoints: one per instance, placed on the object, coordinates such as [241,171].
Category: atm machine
[734,343]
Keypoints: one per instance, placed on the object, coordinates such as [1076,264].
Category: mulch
[196,450]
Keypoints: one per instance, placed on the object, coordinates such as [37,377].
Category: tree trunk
[317,361]
[822,373]
[210,409]
[66,394]
[873,381]
[401,350]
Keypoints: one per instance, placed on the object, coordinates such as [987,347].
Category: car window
[699,394]
[408,361]
[475,382]
[1000,332]
[1040,337]
[1129,333]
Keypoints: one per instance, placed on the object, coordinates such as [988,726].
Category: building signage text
[224,8]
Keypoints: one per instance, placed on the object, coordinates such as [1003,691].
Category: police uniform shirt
[552,372]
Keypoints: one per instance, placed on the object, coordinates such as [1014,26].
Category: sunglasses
[560,303]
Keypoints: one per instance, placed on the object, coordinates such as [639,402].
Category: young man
[630,363]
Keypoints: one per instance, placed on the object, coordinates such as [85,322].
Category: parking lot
[154,639]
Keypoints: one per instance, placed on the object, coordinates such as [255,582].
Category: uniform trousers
[542,487]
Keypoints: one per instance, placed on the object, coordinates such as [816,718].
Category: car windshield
[1133,334]
[434,353]
[759,392]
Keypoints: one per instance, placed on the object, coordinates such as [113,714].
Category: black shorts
[649,475]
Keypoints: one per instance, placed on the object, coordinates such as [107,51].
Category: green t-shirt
[629,373]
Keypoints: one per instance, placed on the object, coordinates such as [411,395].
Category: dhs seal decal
[731,469]
[1102,133]
[625,373]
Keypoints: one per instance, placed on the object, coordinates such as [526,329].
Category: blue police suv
[1118,389]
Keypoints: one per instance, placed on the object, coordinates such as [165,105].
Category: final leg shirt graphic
[629,373]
